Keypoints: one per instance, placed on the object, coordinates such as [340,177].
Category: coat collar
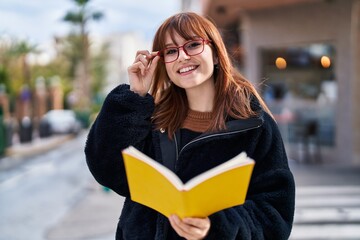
[238,125]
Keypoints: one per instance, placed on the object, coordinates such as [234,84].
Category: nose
[182,54]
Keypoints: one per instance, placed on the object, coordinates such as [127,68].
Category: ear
[215,59]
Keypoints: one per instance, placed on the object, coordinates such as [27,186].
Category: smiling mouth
[187,69]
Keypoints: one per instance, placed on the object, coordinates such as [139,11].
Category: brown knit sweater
[197,121]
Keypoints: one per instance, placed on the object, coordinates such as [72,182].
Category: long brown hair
[233,91]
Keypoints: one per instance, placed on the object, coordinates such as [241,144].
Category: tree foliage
[71,51]
[14,64]
[79,17]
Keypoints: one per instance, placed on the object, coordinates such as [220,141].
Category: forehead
[174,38]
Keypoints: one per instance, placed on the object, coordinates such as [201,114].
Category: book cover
[157,187]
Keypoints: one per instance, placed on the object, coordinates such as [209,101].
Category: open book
[157,187]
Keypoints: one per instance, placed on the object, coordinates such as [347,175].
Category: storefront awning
[225,12]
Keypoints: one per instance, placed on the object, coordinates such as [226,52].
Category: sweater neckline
[192,114]
[197,121]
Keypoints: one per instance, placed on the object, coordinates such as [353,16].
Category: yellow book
[157,187]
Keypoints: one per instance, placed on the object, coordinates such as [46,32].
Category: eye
[193,45]
[170,51]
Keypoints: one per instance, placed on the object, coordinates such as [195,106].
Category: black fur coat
[269,208]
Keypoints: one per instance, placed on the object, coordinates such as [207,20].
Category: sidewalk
[18,153]
[325,174]
[94,217]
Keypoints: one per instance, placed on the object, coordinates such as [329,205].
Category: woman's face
[189,72]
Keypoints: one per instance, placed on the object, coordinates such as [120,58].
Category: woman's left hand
[190,228]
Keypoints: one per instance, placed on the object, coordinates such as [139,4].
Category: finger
[202,223]
[153,63]
[136,67]
[142,69]
[152,55]
[142,52]
[187,230]
[197,227]
[152,58]
[175,225]
[141,58]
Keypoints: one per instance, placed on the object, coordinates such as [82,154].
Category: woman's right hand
[141,71]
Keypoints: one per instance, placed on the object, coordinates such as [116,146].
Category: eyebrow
[172,44]
[169,44]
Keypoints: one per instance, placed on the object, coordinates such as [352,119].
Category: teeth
[186,69]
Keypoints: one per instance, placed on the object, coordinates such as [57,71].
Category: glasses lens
[170,54]
[194,47]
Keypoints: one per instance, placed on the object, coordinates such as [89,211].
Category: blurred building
[122,48]
[304,56]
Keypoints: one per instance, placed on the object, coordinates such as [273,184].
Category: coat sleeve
[269,208]
[124,120]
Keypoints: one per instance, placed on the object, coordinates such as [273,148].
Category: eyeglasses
[191,48]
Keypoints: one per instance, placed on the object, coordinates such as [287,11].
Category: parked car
[59,122]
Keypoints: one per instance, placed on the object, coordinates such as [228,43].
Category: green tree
[99,73]
[6,46]
[15,71]
[21,50]
[80,17]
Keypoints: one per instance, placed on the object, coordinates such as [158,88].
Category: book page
[160,168]
[224,190]
[237,161]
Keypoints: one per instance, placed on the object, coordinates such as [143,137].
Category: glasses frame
[203,41]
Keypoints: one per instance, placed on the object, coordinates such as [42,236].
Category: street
[327,202]
[36,194]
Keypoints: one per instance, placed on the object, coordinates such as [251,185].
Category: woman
[197,98]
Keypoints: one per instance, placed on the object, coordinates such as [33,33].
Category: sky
[38,21]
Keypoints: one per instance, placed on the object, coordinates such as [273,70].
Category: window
[300,88]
